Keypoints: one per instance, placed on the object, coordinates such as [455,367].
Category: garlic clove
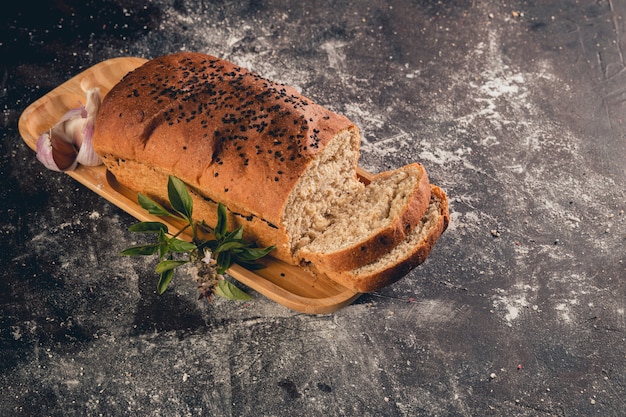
[69,142]
[55,153]
[92,105]
[72,131]
[87,155]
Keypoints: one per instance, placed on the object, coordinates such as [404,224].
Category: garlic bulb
[69,142]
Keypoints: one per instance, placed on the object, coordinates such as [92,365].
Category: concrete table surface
[517,109]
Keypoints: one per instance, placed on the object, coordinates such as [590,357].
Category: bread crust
[207,121]
[381,243]
[153,182]
[392,272]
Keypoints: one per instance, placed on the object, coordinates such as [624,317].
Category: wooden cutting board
[286,284]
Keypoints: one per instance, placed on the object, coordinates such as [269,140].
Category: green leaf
[228,246]
[163,244]
[252,266]
[177,245]
[220,227]
[168,265]
[141,250]
[152,206]
[223,261]
[230,291]
[179,197]
[237,234]
[164,281]
[252,254]
[148,227]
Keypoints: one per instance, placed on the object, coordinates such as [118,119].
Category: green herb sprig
[211,257]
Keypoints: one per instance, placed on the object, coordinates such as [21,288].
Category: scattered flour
[336,57]
[563,310]
[513,304]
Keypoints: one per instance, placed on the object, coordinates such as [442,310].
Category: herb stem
[182,229]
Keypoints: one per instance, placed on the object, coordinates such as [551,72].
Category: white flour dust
[336,57]
[517,305]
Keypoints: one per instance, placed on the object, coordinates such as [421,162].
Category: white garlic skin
[69,142]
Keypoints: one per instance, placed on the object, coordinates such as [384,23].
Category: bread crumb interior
[365,214]
[329,182]
[415,238]
[330,209]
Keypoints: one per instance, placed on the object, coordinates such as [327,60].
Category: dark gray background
[516,109]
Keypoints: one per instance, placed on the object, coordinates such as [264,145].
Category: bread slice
[371,223]
[405,256]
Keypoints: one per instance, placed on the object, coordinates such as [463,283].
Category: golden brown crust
[206,120]
[153,182]
[393,271]
[368,250]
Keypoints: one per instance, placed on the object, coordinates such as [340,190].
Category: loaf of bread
[285,167]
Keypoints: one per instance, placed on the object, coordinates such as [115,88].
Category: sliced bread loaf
[285,167]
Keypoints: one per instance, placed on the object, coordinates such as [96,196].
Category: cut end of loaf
[372,222]
[328,183]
